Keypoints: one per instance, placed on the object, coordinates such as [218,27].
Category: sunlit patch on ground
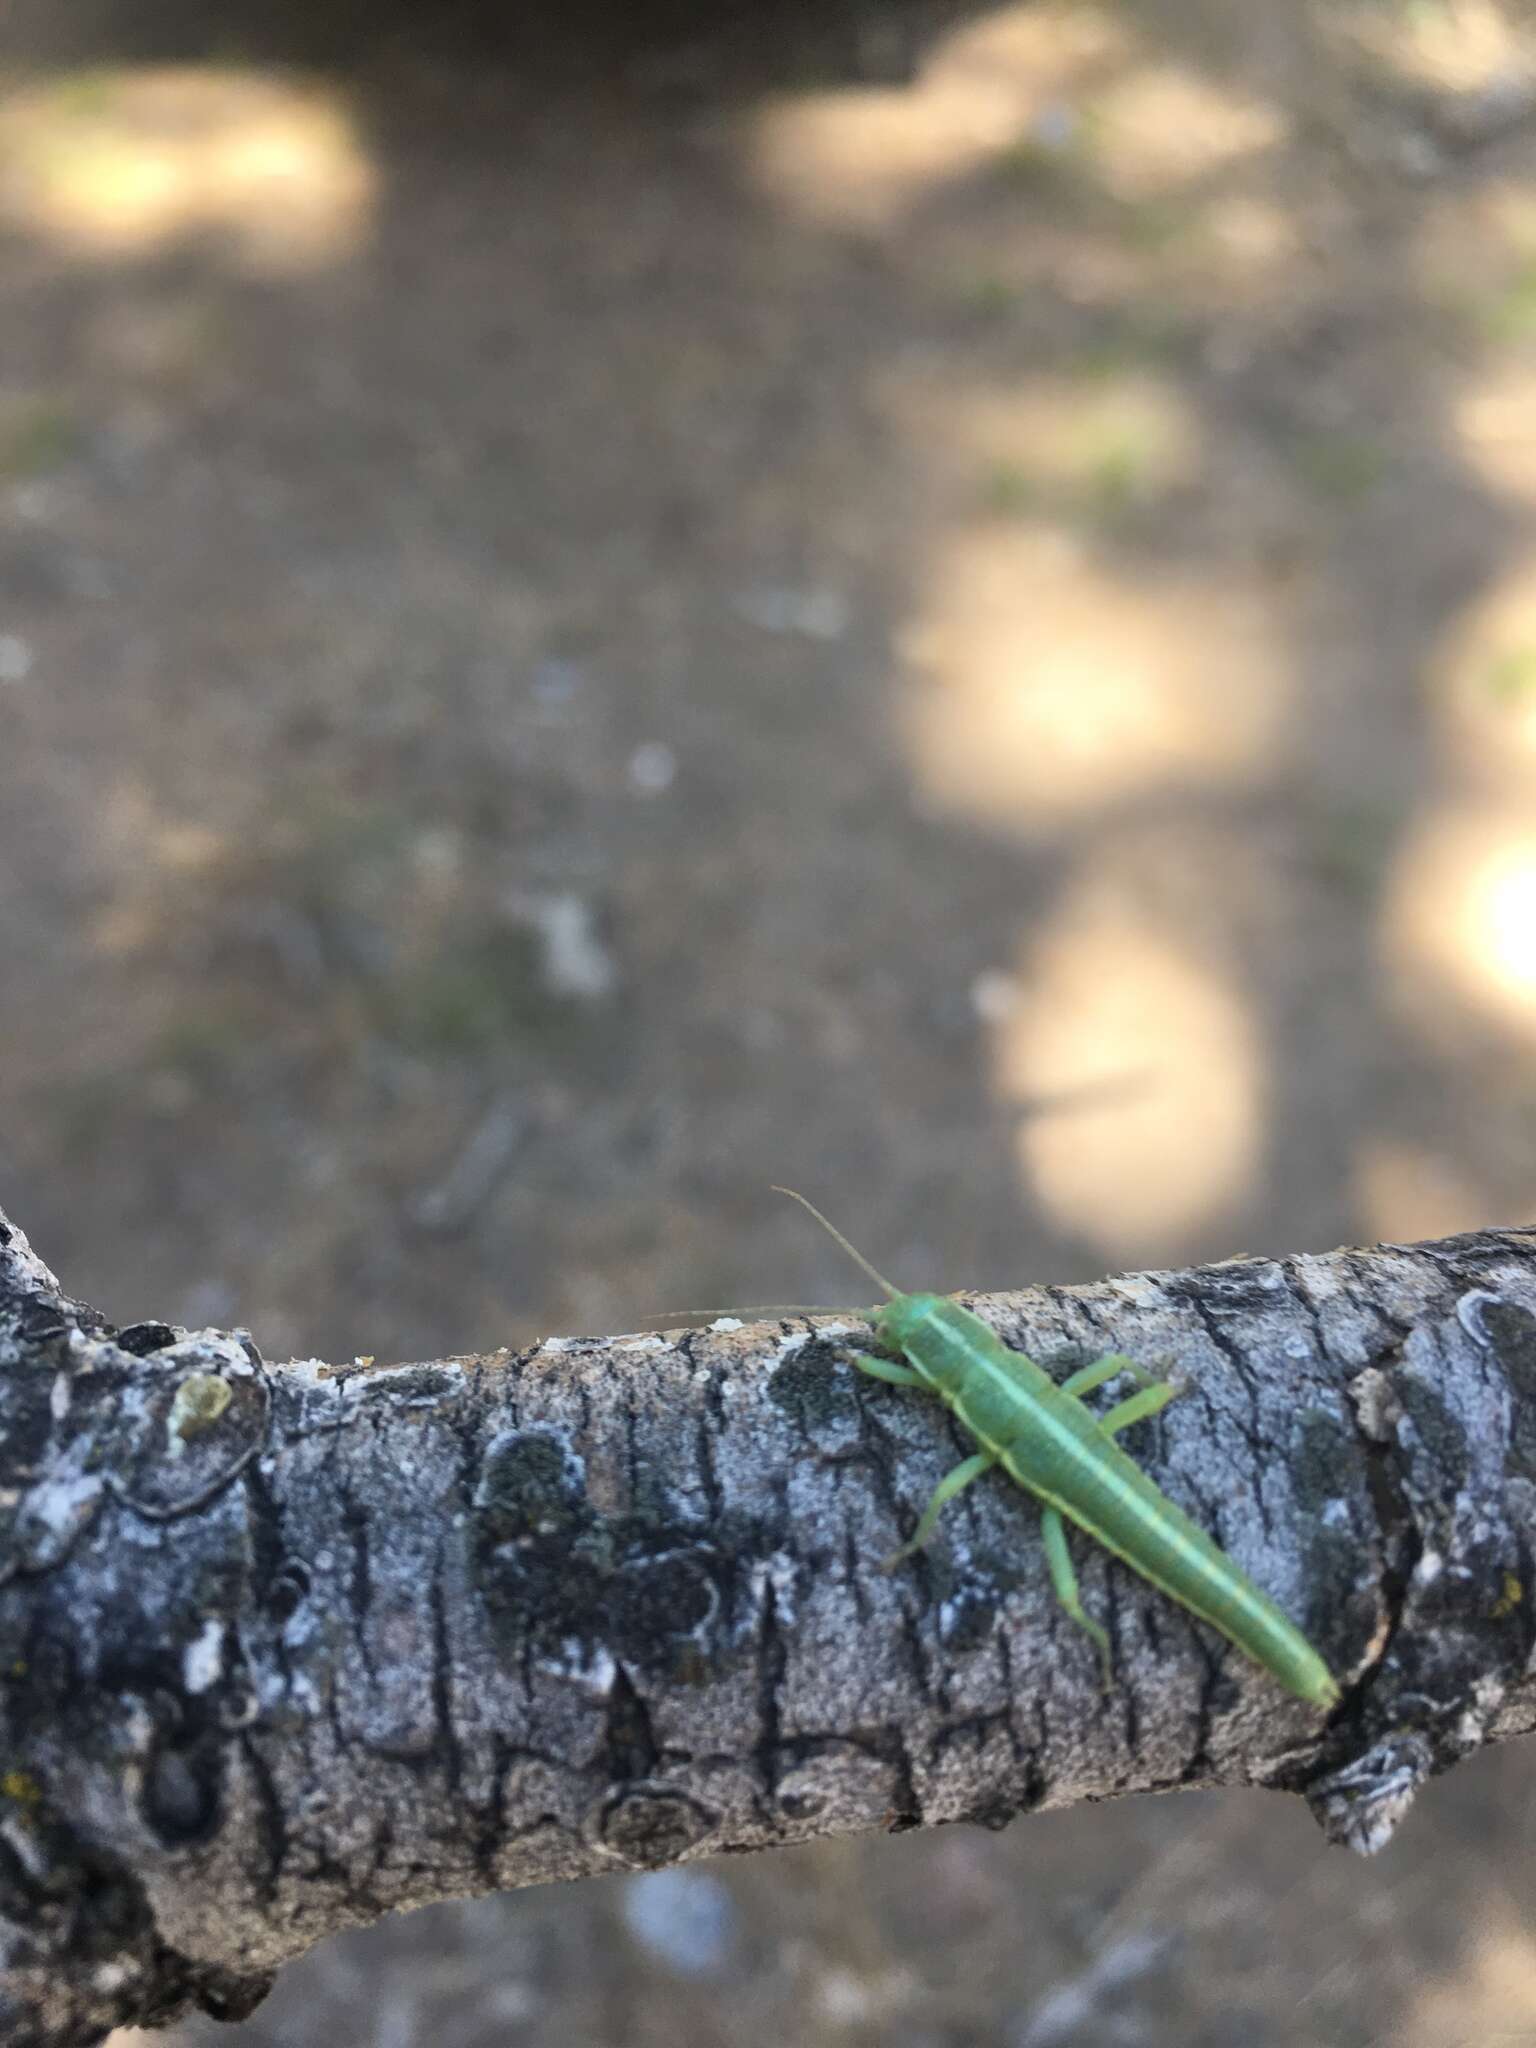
[1141,1079]
[1490,1997]
[1249,235]
[1046,687]
[1102,160]
[861,157]
[1459,46]
[1495,420]
[1459,927]
[1163,126]
[126,162]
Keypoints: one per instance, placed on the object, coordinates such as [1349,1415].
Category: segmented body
[1052,1445]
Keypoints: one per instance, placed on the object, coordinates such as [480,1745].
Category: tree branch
[287,1648]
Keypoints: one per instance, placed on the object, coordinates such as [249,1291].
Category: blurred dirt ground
[602,605]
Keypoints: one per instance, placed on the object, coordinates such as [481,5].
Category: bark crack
[450,1750]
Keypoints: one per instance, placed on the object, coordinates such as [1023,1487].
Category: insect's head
[898,1323]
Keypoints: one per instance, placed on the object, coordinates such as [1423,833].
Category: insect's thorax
[990,1387]
[944,1341]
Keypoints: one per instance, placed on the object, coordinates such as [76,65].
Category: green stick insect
[1052,1445]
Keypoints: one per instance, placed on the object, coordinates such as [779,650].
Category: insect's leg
[952,1483]
[1064,1581]
[886,1369]
[1137,1407]
[1090,1376]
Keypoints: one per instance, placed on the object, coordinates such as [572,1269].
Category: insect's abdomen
[1118,1505]
[1050,1443]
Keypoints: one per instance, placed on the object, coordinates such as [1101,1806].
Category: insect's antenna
[834,1233]
[758,1308]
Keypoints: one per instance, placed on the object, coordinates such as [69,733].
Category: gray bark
[285,1648]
